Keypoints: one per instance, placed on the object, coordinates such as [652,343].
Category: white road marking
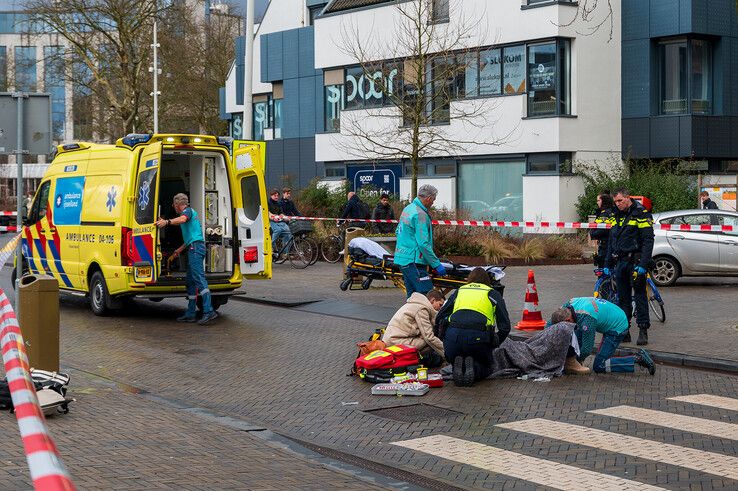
[709,400]
[718,429]
[531,469]
[689,458]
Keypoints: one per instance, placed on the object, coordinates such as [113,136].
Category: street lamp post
[156,71]
[246,124]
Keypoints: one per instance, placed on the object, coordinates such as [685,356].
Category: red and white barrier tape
[47,470]
[9,228]
[562,225]
[6,213]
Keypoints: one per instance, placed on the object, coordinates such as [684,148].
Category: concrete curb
[679,359]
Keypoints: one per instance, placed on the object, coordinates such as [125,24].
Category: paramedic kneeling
[414,250]
[593,315]
[472,314]
[194,242]
[412,325]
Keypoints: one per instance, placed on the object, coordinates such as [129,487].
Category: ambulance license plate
[143,273]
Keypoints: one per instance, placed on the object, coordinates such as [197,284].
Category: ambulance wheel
[99,296]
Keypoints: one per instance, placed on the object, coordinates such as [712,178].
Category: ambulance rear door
[145,252]
[252,216]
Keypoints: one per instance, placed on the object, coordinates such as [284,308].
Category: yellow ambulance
[91,224]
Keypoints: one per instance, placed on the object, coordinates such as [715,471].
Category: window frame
[688,42]
[558,43]
[560,160]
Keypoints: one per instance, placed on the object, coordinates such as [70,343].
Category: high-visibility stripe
[689,458]
[539,471]
[709,400]
[690,424]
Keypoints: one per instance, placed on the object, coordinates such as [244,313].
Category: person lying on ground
[412,325]
[472,323]
[593,315]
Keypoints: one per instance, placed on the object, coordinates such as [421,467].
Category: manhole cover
[414,412]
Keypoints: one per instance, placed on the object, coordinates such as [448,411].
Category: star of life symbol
[58,200]
[143,197]
[111,199]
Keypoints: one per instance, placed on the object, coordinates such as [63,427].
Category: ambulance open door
[252,215]
[144,249]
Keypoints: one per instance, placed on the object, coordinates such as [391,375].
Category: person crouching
[476,321]
[412,325]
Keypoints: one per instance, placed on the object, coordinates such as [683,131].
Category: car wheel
[666,272]
[99,297]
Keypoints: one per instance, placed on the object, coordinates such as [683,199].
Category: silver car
[682,253]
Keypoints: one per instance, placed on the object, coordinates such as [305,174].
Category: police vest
[475,297]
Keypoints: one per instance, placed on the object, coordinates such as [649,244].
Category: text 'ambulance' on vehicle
[91,225]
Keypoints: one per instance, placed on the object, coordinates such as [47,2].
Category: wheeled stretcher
[363,268]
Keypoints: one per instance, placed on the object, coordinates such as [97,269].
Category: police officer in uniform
[629,253]
[605,212]
[472,323]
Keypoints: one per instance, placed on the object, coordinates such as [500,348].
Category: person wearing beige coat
[412,325]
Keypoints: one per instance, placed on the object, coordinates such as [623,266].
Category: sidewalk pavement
[701,313]
[116,439]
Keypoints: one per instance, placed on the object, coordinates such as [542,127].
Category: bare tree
[108,43]
[420,77]
[196,55]
[595,14]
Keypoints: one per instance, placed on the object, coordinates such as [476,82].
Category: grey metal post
[19,151]
[246,124]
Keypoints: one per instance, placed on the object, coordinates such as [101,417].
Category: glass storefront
[492,189]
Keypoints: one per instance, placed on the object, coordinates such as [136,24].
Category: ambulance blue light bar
[136,138]
[226,141]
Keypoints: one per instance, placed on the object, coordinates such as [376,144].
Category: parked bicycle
[331,248]
[301,230]
[297,249]
[605,288]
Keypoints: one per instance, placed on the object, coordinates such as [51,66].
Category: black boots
[463,373]
[626,338]
[642,336]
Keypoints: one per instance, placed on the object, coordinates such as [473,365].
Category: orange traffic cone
[532,319]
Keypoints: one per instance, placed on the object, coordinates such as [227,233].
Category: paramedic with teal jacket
[414,251]
[194,242]
[593,315]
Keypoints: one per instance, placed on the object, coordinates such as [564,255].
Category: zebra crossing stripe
[539,471]
[689,424]
[688,458]
[709,400]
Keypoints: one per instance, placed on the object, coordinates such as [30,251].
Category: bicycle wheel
[315,250]
[606,291]
[300,253]
[657,306]
[330,248]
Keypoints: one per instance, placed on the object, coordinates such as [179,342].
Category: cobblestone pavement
[284,369]
[701,313]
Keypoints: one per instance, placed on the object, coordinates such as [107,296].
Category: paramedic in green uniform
[194,242]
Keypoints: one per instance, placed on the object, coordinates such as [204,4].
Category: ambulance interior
[202,176]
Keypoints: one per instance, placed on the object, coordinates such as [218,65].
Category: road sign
[36,124]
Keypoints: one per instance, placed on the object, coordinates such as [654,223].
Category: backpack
[51,389]
[375,342]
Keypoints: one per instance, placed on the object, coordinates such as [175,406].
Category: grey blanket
[542,355]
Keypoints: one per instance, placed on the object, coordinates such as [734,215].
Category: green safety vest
[475,296]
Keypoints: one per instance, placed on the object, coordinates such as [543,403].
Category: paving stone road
[284,369]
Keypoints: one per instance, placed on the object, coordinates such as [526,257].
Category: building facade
[32,63]
[680,87]
[539,80]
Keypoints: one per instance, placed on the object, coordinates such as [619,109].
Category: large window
[514,69]
[549,74]
[261,117]
[333,106]
[3,69]
[54,81]
[492,190]
[25,69]
[439,11]
[685,76]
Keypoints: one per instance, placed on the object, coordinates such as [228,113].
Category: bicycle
[301,230]
[606,289]
[298,250]
[331,248]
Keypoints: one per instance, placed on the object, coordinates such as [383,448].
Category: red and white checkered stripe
[47,470]
[557,225]
[9,228]
[6,213]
